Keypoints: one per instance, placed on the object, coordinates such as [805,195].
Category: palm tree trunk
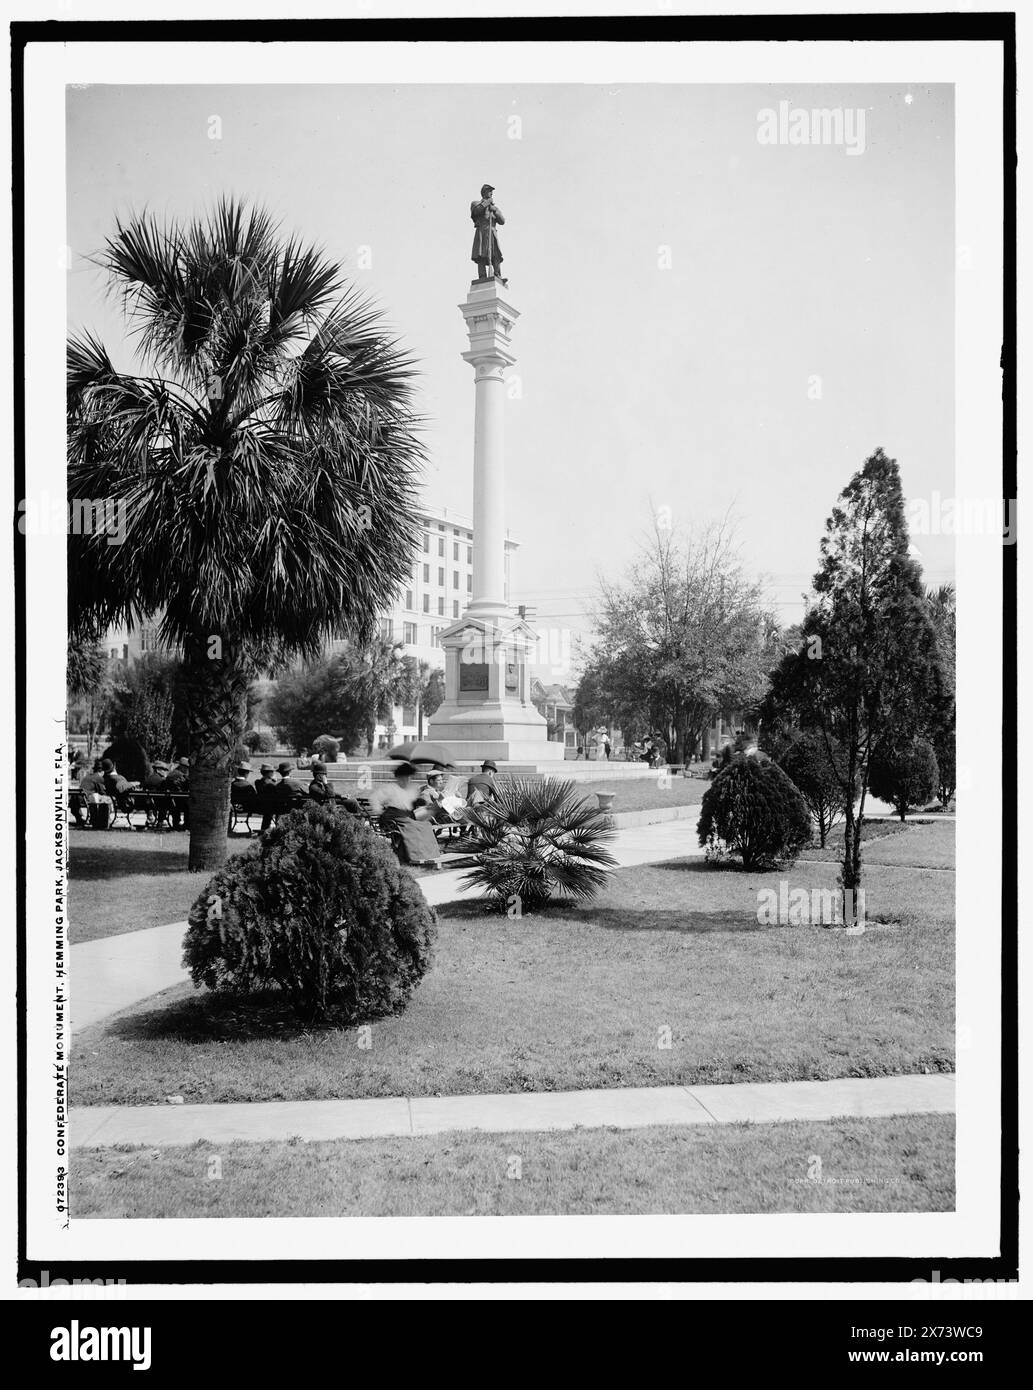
[216,688]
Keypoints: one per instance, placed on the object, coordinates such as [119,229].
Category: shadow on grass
[225,1018]
[105,864]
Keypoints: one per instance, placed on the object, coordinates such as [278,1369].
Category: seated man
[444,808]
[91,786]
[289,791]
[177,785]
[116,786]
[482,785]
[265,792]
[319,789]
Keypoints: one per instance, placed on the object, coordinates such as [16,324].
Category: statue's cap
[487,188]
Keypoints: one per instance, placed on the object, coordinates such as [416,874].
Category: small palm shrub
[327,748]
[906,777]
[321,908]
[752,809]
[539,839]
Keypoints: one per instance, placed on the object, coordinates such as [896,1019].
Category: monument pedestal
[487,710]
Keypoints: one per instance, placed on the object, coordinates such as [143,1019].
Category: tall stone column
[489,323]
[487,711]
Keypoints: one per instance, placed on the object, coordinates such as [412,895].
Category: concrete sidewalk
[764,1103]
[110,974]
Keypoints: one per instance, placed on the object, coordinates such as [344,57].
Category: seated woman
[403,811]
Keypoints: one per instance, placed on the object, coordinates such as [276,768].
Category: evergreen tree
[867,674]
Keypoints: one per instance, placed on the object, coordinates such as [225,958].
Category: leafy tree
[905,777]
[817,770]
[433,692]
[868,672]
[317,696]
[143,703]
[682,638]
[88,682]
[267,466]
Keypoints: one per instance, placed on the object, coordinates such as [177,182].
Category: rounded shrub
[327,748]
[259,741]
[321,908]
[752,809]
[906,777]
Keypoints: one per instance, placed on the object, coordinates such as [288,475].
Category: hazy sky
[682,376]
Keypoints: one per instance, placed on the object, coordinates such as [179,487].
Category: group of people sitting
[277,789]
[104,789]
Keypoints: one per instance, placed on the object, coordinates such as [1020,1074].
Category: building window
[455,579]
[408,600]
[409,714]
[435,637]
[426,574]
[426,543]
[469,583]
[455,550]
[409,634]
[113,653]
[441,576]
[441,525]
[469,554]
[455,608]
[426,603]
[441,607]
[148,639]
[387,629]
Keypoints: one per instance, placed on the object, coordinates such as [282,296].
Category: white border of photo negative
[976,71]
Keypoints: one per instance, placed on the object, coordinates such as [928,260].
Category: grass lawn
[905,1163]
[926,846]
[668,978]
[123,880]
[647,793]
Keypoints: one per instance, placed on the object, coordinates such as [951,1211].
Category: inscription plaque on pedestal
[473,675]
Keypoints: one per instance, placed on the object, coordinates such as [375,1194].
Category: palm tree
[267,466]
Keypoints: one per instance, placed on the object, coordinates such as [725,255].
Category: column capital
[489,323]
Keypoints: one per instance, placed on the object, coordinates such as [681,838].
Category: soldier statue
[486,249]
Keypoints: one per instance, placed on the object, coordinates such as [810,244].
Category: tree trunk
[216,688]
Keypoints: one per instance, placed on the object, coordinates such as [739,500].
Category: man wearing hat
[241,779]
[486,249]
[482,785]
[177,784]
[289,788]
[265,792]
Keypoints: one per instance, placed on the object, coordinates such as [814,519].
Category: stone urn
[605,800]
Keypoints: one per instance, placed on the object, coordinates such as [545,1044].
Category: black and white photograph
[515,630]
